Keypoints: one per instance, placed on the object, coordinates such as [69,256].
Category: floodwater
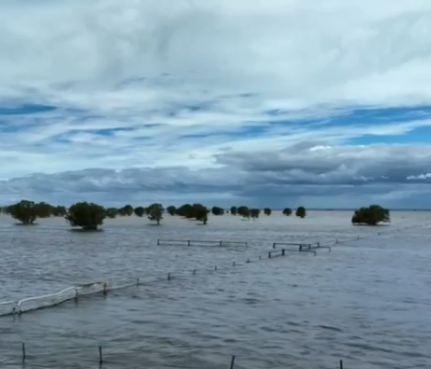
[367,302]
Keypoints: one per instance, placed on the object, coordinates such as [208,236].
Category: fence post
[269,255]
[100,355]
[283,251]
[273,245]
[169,276]
[158,242]
[221,243]
[341,364]
[24,355]
[232,362]
[188,242]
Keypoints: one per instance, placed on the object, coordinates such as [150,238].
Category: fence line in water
[101,357]
[88,289]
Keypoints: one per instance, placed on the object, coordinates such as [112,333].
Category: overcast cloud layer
[263,102]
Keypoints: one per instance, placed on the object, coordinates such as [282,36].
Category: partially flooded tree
[126,210]
[254,213]
[139,211]
[287,211]
[172,210]
[200,213]
[25,211]
[234,210]
[244,211]
[371,215]
[112,213]
[59,211]
[301,212]
[217,210]
[267,211]
[155,212]
[87,215]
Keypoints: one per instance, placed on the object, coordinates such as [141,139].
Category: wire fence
[277,249]
[21,355]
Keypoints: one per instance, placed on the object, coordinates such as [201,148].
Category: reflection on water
[367,302]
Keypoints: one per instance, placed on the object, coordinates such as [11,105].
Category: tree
[59,211]
[244,211]
[254,213]
[185,211]
[267,211]
[287,211]
[155,212]
[111,212]
[25,211]
[217,210]
[172,210]
[301,212]
[139,211]
[234,210]
[86,215]
[371,215]
[200,213]
[126,210]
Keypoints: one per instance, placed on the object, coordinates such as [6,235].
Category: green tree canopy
[172,210]
[234,210]
[287,211]
[267,211]
[200,213]
[59,211]
[112,213]
[254,213]
[155,212]
[301,212]
[217,210]
[244,211]
[86,215]
[25,211]
[372,215]
[185,211]
[139,211]
[126,210]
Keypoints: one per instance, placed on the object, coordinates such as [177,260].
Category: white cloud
[147,66]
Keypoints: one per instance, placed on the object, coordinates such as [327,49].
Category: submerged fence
[279,249]
[21,355]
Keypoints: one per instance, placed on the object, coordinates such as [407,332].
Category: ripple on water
[366,302]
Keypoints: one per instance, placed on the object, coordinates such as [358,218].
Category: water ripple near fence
[92,288]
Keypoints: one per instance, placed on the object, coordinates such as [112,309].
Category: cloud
[223,100]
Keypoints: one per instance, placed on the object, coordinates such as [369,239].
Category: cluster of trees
[371,215]
[90,216]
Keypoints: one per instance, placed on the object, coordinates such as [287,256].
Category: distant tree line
[90,216]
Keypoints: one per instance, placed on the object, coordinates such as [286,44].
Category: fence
[164,242]
[107,357]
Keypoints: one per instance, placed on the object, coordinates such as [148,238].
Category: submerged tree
[287,211]
[139,211]
[234,210]
[25,211]
[267,211]
[371,215]
[155,212]
[87,215]
[301,212]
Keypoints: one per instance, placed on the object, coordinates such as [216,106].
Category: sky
[277,103]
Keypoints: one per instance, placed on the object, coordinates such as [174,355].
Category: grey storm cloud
[295,172]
